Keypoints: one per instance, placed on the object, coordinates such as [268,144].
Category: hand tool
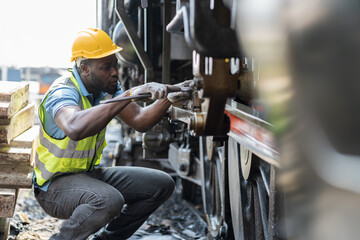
[141,96]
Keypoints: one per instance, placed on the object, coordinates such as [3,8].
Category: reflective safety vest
[55,157]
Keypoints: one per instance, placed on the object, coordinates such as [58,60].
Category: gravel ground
[174,220]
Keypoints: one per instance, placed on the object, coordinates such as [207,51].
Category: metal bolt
[183,167]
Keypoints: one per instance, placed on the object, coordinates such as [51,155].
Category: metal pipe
[177,23]
[145,30]
[135,41]
[97,14]
[166,43]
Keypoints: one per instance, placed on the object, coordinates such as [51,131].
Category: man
[66,184]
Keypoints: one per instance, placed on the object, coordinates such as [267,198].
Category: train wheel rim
[211,187]
[249,198]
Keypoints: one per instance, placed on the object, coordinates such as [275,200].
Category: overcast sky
[40,33]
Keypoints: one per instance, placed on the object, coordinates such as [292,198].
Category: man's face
[104,74]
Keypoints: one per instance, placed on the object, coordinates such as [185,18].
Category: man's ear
[85,69]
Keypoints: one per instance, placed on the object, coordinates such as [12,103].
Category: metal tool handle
[140,96]
[185,89]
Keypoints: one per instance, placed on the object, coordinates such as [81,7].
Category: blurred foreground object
[309,53]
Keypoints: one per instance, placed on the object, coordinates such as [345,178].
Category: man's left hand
[181,96]
[178,96]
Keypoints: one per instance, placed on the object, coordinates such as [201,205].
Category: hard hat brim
[106,54]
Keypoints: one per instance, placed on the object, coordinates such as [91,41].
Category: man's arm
[142,119]
[78,124]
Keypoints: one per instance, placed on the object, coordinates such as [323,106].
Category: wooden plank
[7,121]
[9,155]
[4,228]
[22,149]
[16,176]
[26,139]
[21,121]
[13,97]
[7,202]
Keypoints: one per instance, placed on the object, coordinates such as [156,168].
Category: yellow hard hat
[93,43]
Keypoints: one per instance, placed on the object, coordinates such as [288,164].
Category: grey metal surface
[180,114]
[178,157]
[135,41]
[234,190]
[213,189]
[176,25]
[247,113]
[265,146]
[215,38]
[166,9]
[264,152]
[252,200]
[120,38]
[245,160]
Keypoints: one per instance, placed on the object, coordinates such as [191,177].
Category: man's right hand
[157,90]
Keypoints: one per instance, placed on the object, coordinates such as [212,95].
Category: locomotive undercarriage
[235,166]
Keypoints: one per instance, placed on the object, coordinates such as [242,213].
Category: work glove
[178,96]
[181,96]
[187,83]
[157,90]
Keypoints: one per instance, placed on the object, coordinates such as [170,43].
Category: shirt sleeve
[59,98]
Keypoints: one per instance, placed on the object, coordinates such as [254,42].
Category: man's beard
[106,89]
[112,91]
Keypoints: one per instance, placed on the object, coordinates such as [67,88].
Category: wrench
[140,96]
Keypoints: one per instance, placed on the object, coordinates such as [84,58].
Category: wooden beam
[4,228]
[13,97]
[7,202]
[16,176]
[26,139]
[15,156]
[22,149]
[21,121]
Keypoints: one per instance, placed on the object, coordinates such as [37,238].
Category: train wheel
[212,187]
[251,198]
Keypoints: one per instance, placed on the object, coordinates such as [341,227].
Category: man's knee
[109,202]
[167,185]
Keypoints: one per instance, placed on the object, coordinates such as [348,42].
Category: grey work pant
[94,199]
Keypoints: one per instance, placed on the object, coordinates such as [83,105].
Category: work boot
[97,236]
